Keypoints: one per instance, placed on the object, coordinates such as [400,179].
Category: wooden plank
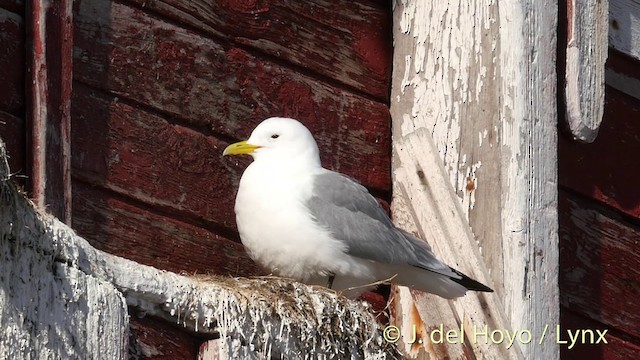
[605,170]
[616,347]
[342,41]
[154,339]
[623,73]
[600,276]
[479,82]
[624,27]
[49,67]
[411,312]
[586,54]
[12,60]
[142,156]
[436,211]
[195,81]
[122,229]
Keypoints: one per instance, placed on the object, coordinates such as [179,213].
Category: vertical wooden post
[49,83]
[584,66]
[475,84]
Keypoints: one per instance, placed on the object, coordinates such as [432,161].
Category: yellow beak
[242,147]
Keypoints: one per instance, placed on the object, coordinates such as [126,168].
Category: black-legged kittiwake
[302,221]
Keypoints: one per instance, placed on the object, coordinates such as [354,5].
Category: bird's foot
[330,280]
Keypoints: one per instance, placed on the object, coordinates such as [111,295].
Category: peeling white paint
[485,74]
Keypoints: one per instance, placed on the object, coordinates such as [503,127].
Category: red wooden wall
[12,80]
[160,88]
[599,209]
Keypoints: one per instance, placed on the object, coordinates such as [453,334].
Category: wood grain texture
[600,277]
[123,229]
[616,348]
[624,27]
[347,42]
[606,170]
[436,211]
[480,80]
[12,62]
[154,339]
[412,312]
[584,75]
[49,69]
[140,155]
[225,91]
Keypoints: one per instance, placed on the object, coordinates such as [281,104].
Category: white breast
[277,229]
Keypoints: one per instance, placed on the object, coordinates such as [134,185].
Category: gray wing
[352,215]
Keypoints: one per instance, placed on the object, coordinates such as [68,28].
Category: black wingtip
[469,283]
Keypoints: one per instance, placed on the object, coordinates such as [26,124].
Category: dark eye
[275,136]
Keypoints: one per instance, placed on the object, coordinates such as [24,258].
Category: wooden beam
[49,75]
[479,83]
[600,274]
[584,74]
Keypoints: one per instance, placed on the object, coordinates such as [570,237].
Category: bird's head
[280,139]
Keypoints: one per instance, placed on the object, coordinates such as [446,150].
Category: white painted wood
[436,210]
[587,49]
[624,26]
[60,298]
[412,311]
[476,83]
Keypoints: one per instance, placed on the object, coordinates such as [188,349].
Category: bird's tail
[469,283]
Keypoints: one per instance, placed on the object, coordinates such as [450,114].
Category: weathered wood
[149,238]
[422,180]
[623,73]
[478,80]
[584,75]
[600,276]
[412,312]
[12,60]
[49,67]
[616,348]
[196,81]
[267,316]
[604,169]
[153,339]
[359,54]
[624,26]
[142,156]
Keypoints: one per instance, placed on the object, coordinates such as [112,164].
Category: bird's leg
[330,281]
